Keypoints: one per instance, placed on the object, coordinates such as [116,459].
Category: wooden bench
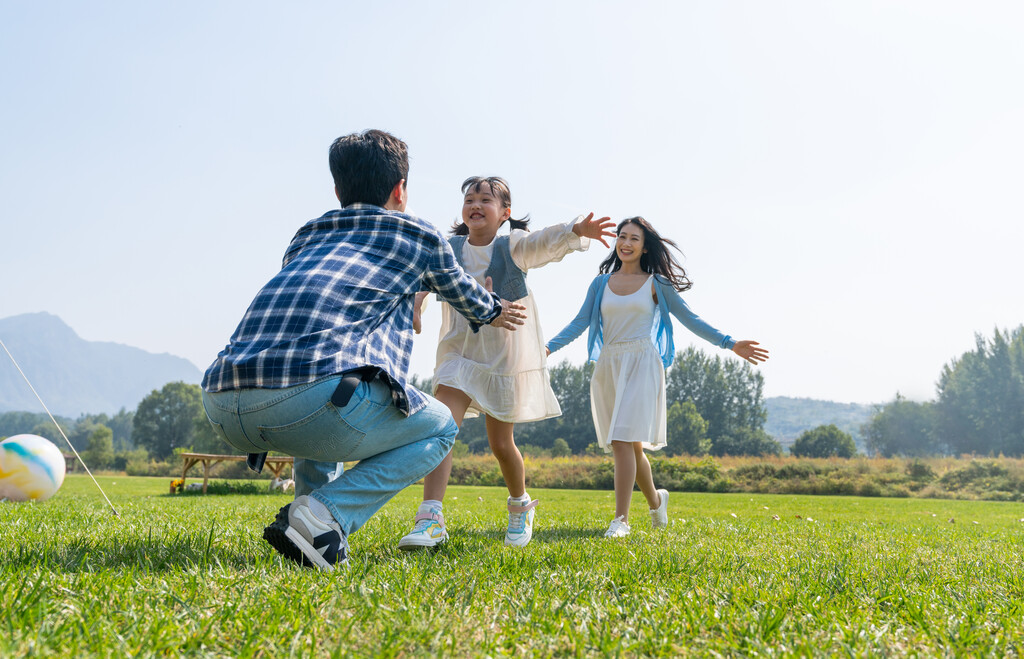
[276,464]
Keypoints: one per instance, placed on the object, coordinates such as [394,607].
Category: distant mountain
[788,417]
[74,376]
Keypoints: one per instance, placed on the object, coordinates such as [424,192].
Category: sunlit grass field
[191,576]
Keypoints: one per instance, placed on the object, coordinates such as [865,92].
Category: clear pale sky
[844,178]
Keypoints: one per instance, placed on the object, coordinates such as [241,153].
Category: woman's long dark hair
[656,259]
[499,188]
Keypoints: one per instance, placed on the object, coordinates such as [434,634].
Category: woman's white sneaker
[618,528]
[659,515]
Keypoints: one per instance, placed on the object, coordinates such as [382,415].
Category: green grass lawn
[191,576]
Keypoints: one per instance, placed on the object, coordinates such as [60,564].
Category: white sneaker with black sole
[321,543]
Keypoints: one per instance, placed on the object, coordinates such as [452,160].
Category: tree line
[978,409]
[715,407]
[167,419]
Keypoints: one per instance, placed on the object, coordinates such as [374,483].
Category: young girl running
[627,306]
[500,374]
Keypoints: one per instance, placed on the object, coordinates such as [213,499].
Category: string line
[59,429]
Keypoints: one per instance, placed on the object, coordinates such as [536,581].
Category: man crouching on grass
[317,367]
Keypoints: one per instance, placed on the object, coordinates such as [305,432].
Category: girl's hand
[547,351]
[748,351]
[600,229]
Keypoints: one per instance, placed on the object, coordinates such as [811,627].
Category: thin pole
[112,509]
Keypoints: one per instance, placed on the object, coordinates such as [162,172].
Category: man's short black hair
[366,166]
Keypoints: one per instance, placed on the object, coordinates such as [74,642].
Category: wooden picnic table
[276,464]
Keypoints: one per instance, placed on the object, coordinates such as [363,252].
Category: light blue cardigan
[669,302]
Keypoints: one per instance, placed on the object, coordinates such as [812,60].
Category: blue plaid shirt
[344,299]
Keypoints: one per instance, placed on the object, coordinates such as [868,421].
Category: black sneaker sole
[275,535]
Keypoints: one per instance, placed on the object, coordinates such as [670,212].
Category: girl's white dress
[627,391]
[504,373]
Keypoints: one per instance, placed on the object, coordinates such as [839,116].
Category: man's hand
[512,313]
[588,227]
[417,311]
[748,350]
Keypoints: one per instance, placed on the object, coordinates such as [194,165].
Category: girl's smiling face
[483,211]
[629,244]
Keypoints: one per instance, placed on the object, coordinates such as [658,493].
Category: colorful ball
[31,467]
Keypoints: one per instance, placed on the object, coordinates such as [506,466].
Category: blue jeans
[393,450]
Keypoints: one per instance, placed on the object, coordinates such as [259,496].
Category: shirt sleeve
[577,325]
[678,308]
[294,247]
[445,277]
[532,249]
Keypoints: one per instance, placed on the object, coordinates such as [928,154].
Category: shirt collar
[359,205]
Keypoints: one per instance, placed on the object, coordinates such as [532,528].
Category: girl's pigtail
[519,224]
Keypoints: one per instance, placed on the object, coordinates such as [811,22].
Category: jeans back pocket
[323,436]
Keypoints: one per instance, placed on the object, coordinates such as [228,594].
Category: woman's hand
[749,351]
[588,227]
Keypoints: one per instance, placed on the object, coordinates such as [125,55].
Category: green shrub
[231,487]
[976,472]
[919,470]
[693,482]
[534,451]
[1001,480]
[796,471]
[755,472]
[869,489]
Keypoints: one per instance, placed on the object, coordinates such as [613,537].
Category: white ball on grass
[31,467]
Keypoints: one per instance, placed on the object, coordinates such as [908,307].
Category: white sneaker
[520,523]
[428,531]
[323,544]
[618,528]
[659,515]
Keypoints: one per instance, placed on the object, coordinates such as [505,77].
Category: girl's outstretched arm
[572,331]
[534,249]
[600,229]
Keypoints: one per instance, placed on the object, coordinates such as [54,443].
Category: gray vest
[508,280]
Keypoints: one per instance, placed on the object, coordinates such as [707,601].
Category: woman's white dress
[627,391]
[504,373]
